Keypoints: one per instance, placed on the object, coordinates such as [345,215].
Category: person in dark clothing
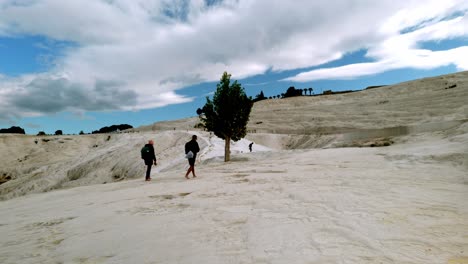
[147,154]
[250,146]
[191,146]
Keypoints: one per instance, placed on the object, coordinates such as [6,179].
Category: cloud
[136,54]
[48,95]
[401,50]
[32,125]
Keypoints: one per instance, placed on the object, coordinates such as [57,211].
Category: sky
[79,65]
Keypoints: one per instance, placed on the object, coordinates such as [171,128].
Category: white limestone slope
[400,204]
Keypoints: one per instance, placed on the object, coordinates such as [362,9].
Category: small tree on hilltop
[227,115]
[259,97]
[292,92]
[58,132]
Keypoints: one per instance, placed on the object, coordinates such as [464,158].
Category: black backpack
[145,152]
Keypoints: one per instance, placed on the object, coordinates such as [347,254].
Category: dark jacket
[150,157]
[192,145]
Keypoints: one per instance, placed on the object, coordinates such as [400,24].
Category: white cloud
[402,50]
[145,50]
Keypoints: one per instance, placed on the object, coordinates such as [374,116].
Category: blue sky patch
[29,54]
[445,44]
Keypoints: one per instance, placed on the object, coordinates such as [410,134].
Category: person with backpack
[147,154]
[191,150]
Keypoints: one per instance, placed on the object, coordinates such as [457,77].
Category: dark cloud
[55,95]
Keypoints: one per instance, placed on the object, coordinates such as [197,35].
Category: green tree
[228,113]
[13,130]
[292,91]
[58,132]
[259,97]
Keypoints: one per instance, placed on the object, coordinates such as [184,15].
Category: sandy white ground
[405,203]
[357,205]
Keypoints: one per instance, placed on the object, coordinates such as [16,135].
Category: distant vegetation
[375,86]
[338,92]
[113,128]
[259,97]
[57,133]
[12,130]
[110,129]
[290,92]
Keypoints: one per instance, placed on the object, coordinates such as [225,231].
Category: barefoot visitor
[191,150]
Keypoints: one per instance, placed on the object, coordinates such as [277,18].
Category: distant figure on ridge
[250,146]
[191,150]
[147,154]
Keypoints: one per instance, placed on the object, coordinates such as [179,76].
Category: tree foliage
[58,132]
[292,91]
[259,97]
[13,130]
[228,113]
[112,128]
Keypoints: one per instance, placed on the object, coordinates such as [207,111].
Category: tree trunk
[227,149]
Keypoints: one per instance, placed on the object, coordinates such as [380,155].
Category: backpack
[145,153]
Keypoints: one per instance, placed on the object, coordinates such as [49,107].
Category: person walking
[191,150]
[147,154]
[250,146]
